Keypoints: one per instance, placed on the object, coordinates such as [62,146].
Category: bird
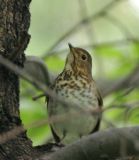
[75,86]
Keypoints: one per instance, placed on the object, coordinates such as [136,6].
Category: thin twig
[6,136]
[74,28]
[47,91]
[22,73]
[118,42]
[38,96]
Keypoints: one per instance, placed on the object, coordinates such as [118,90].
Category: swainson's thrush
[75,86]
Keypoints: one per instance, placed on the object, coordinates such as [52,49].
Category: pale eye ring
[84,57]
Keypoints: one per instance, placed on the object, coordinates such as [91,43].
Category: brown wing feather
[100,103]
[56,137]
[100,100]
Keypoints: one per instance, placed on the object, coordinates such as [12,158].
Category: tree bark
[14,24]
[114,144]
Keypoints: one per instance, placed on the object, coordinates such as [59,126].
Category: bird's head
[79,61]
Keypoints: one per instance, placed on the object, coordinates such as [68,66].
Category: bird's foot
[50,147]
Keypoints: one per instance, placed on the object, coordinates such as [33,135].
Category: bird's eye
[84,57]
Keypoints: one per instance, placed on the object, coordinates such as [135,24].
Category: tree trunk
[14,24]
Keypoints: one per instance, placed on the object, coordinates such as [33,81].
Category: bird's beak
[71,47]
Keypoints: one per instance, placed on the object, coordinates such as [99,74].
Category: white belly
[74,126]
[76,120]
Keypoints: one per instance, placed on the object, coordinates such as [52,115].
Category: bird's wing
[99,98]
[100,104]
[56,137]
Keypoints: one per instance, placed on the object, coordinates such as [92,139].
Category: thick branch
[106,145]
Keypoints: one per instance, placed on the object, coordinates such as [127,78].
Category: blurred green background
[108,29]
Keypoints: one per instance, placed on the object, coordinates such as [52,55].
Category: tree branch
[105,145]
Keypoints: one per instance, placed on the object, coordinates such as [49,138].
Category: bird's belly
[74,127]
[74,121]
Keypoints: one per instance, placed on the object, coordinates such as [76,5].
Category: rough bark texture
[14,24]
